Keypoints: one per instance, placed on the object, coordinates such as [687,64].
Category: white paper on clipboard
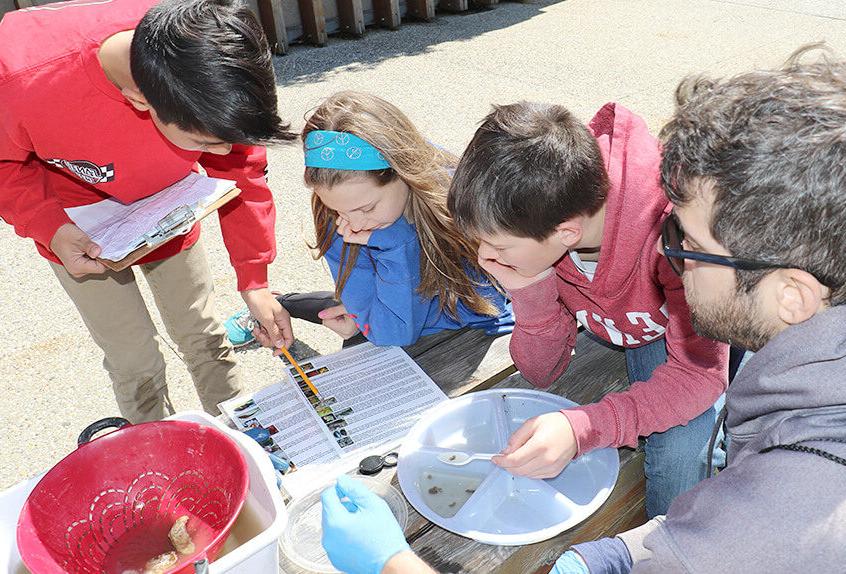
[119,228]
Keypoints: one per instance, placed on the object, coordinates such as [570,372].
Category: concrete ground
[444,75]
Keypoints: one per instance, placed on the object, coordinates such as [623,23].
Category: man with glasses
[755,166]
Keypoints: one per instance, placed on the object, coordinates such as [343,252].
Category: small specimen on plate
[436,490]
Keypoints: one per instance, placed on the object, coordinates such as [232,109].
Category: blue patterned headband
[340,150]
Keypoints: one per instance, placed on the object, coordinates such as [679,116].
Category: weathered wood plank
[314,22]
[25,4]
[467,361]
[453,5]
[351,17]
[423,10]
[423,344]
[386,14]
[273,21]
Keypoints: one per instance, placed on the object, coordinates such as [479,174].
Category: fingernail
[279,343]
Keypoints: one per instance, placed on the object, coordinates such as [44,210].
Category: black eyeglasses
[672,237]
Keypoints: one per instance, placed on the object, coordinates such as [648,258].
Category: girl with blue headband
[401,267]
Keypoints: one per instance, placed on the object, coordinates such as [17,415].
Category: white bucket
[253,544]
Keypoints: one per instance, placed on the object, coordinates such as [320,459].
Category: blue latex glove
[360,533]
[570,563]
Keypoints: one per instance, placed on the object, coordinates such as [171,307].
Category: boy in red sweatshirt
[119,99]
[568,218]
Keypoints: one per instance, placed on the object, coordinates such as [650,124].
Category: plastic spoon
[458,458]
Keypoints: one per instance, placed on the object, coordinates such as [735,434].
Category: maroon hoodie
[634,298]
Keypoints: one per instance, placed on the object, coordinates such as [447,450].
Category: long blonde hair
[444,251]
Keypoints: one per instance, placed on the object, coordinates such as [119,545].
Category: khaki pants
[119,322]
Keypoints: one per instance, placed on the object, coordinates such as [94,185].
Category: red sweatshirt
[68,137]
[634,298]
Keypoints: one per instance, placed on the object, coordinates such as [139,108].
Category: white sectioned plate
[482,501]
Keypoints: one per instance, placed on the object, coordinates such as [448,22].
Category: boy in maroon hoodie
[568,217]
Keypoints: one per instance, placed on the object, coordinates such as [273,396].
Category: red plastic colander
[107,507]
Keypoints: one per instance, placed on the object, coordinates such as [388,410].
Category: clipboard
[178,222]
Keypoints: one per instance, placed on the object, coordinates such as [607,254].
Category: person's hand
[508,277]
[76,251]
[540,448]
[407,562]
[570,563]
[337,319]
[350,236]
[273,328]
[360,533]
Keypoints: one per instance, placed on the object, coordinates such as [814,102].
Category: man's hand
[508,277]
[76,251]
[337,319]
[350,236]
[360,533]
[274,322]
[541,448]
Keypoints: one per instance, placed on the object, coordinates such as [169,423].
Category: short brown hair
[529,167]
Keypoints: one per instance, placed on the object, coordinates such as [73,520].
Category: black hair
[529,167]
[205,66]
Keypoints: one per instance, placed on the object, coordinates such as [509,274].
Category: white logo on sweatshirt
[87,171]
[649,329]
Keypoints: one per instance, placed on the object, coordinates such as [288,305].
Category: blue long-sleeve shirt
[381,291]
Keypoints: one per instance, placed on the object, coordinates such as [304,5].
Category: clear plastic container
[301,540]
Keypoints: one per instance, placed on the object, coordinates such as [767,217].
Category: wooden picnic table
[466,361]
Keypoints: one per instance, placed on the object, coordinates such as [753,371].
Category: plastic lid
[301,539]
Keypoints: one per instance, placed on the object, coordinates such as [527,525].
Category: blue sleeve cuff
[569,563]
[399,233]
[606,556]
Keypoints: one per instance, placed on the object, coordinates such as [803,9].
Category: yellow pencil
[299,370]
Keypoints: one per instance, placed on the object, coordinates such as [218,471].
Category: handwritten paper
[119,228]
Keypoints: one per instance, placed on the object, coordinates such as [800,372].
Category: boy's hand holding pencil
[273,327]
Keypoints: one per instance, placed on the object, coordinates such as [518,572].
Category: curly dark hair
[772,144]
